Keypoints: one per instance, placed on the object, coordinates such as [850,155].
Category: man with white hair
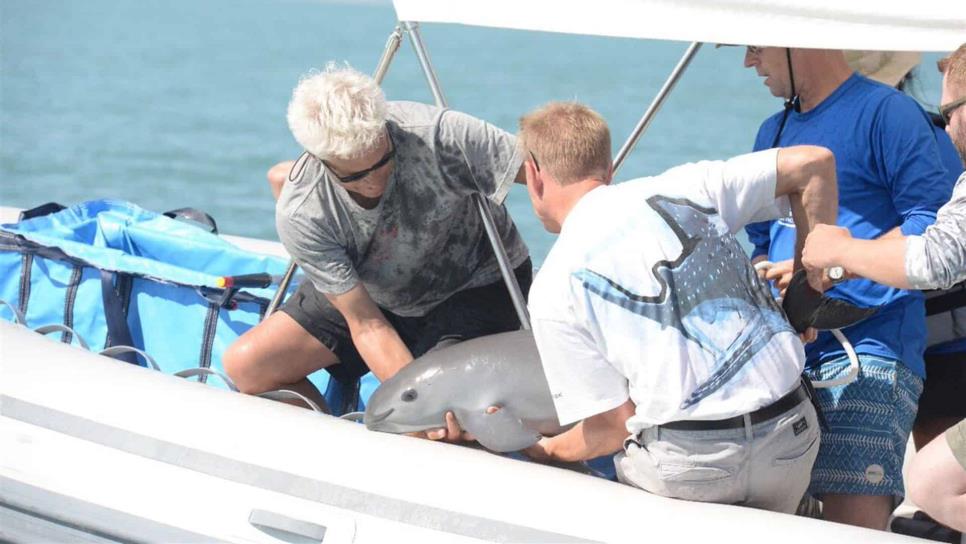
[380,214]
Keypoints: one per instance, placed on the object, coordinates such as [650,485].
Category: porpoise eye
[409,395]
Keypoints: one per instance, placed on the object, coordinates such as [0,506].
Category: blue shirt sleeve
[908,156]
[759,234]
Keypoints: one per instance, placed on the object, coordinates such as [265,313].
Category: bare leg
[937,483]
[277,354]
[277,175]
[870,511]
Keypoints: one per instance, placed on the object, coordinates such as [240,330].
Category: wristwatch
[836,273]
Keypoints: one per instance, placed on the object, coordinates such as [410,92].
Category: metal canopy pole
[516,295]
[656,104]
[416,39]
[389,53]
[392,45]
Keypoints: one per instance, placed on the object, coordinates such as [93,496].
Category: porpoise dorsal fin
[500,431]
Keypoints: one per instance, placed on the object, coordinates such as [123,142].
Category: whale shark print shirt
[424,241]
[647,295]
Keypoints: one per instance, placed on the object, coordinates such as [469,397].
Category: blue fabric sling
[121,275]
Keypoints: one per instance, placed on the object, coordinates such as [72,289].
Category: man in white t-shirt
[650,319]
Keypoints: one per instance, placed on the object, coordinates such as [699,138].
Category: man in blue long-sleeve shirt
[936,259]
[891,182]
[941,404]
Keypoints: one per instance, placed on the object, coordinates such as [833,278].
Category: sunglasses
[946,110]
[356,176]
[755,49]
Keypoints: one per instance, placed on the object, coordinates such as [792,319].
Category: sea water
[174,103]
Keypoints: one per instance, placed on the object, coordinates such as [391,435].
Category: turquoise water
[182,102]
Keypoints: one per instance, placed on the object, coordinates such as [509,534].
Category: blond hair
[569,140]
[954,67]
[337,113]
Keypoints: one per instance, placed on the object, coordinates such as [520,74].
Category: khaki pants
[766,465]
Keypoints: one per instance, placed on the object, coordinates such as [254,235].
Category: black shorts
[944,390]
[470,313]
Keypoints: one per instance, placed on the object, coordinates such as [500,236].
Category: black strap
[26,266]
[787,402]
[947,301]
[791,73]
[118,332]
[42,210]
[69,298]
[937,120]
[813,397]
[15,242]
[791,103]
[196,215]
[208,338]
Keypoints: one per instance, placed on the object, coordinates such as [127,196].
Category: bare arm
[381,348]
[806,174]
[597,435]
[377,341]
[881,260]
[894,234]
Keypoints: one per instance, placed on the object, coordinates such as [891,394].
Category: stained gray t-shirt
[425,240]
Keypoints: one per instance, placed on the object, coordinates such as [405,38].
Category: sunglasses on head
[356,176]
[946,110]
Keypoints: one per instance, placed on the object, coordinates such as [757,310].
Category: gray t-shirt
[425,240]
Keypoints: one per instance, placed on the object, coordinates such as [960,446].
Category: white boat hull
[96,448]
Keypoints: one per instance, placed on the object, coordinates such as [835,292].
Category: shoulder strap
[946,300]
[118,332]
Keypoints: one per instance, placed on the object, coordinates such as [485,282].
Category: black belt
[775,409]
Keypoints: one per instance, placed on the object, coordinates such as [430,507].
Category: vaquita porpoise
[467,378]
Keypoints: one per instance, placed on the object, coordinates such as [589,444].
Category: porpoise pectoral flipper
[805,307]
[500,431]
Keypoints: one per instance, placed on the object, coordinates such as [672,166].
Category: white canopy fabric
[920,25]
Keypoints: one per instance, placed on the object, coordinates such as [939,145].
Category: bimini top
[923,25]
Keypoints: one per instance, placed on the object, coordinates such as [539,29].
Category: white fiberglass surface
[928,25]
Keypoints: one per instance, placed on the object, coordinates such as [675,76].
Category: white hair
[338,113]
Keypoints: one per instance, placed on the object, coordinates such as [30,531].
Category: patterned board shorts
[869,423]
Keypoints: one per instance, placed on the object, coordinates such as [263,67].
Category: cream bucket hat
[887,67]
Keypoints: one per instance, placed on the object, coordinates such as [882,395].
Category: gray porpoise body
[466,378]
